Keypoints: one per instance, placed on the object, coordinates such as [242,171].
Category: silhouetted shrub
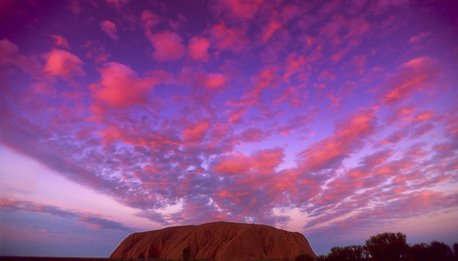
[304,257]
[322,258]
[388,246]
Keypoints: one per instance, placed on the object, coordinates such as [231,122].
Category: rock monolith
[219,241]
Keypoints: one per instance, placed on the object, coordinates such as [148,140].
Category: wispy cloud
[90,219]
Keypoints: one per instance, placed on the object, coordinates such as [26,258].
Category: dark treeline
[391,247]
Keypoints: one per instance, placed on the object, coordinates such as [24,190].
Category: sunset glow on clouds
[336,120]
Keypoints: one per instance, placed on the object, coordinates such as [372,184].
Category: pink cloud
[370,175]
[297,123]
[110,29]
[228,38]
[9,54]
[331,151]
[118,4]
[96,51]
[337,190]
[63,64]
[359,63]
[327,75]
[149,20]
[111,134]
[265,78]
[384,5]
[198,48]
[265,161]
[356,29]
[419,38]
[452,124]
[410,204]
[261,162]
[236,115]
[422,129]
[332,30]
[404,112]
[7,49]
[343,35]
[234,164]
[284,96]
[403,206]
[271,28]
[415,74]
[252,135]
[167,45]
[204,81]
[196,132]
[377,158]
[294,64]
[395,137]
[409,115]
[424,116]
[215,80]
[120,87]
[60,41]
[241,8]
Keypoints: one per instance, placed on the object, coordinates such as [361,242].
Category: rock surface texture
[220,241]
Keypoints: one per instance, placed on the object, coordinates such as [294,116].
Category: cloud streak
[95,221]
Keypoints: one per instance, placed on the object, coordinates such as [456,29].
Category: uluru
[219,241]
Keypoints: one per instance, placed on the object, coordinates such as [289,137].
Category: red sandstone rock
[220,241]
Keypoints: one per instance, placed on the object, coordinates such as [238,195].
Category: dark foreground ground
[18,258]
[34,258]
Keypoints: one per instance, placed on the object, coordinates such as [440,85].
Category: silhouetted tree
[441,251]
[455,250]
[186,254]
[348,253]
[420,252]
[434,251]
[392,247]
[387,246]
[304,257]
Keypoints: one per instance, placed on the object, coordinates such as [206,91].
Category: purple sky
[337,119]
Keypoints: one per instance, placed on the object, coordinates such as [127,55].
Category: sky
[336,119]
